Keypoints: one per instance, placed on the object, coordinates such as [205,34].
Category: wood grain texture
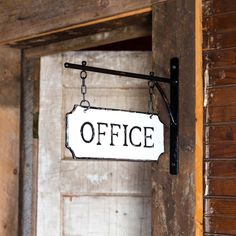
[199,114]
[220,116]
[213,234]
[220,207]
[142,17]
[28,164]
[219,59]
[221,151]
[30,19]
[222,169]
[222,22]
[222,77]
[221,134]
[220,225]
[10,73]
[173,209]
[216,40]
[222,97]
[218,6]
[92,40]
[221,187]
[219,30]
[129,213]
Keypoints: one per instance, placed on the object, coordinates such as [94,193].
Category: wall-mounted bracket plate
[174,107]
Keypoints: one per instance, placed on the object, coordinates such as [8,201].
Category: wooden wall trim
[28,177]
[32,20]
[199,120]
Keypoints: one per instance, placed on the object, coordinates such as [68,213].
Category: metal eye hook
[85,104]
[83,74]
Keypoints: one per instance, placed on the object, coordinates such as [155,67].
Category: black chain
[83,76]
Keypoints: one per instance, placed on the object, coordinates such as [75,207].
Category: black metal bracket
[172,107]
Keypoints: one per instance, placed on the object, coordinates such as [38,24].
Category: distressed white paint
[49,152]
[206,79]
[96,179]
[88,197]
[106,215]
[114,134]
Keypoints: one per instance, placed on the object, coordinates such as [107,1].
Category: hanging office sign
[113,134]
[137,150]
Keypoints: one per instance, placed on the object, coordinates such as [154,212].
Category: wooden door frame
[30,106]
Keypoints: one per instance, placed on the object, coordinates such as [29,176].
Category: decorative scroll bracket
[172,106]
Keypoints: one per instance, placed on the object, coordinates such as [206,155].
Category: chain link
[83,76]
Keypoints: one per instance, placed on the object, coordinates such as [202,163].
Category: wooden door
[89,197]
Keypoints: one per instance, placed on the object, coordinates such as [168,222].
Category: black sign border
[108,109]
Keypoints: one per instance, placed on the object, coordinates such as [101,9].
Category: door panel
[90,197]
[105,215]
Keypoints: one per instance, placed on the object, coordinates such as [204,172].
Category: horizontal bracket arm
[115,72]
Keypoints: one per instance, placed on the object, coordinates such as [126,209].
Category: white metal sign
[113,134]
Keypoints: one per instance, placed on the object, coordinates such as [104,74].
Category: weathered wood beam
[94,40]
[173,209]
[97,26]
[33,19]
[10,73]
[30,96]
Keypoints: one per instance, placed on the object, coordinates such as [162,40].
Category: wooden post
[10,73]
[173,209]
[28,191]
